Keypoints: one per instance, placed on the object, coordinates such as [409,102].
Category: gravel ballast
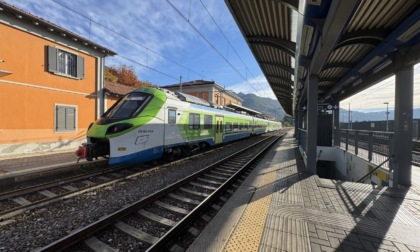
[37,228]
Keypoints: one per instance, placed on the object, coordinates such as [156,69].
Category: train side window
[228,127]
[235,126]
[171,116]
[194,121]
[208,120]
[241,126]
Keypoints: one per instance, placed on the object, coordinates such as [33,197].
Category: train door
[219,129]
[171,131]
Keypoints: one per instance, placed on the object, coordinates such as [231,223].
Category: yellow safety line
[247,235]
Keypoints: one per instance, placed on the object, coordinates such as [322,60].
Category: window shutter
[80,67]
[60,118]
[70,119]
[52,59]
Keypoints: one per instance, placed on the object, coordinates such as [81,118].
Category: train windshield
[129,106]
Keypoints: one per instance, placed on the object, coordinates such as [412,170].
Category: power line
[210,44]
[148,67]
[228,41]
[127,38]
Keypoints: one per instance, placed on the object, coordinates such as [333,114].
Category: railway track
[38,194]
[21,200]
[54,189]
[154,222]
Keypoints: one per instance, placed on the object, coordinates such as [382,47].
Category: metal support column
[312,115]
[403,125]
[299,124]
[100,89]
[336,126]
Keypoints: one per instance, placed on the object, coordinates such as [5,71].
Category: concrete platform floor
[280,208]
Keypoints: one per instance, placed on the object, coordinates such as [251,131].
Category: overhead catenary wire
[135,42]
[228,41]
[211,45]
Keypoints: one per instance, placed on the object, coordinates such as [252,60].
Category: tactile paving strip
[247,235]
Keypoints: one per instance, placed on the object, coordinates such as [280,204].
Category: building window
[194,121]
[208,120]
[65,118]
[171,116]
[65,63]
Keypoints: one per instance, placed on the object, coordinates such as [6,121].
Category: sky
[162,40]
[374,98]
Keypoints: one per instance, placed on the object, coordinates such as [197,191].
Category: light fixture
[370,64]
[306,39]
[18,16]
[35,23]
[410,32]
[51,29]
[357,82]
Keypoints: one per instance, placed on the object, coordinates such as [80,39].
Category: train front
[117,135]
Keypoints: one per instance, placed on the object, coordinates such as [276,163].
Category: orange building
[51,84]
[207,90]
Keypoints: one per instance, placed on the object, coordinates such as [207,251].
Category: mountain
[266,106]
[371,116]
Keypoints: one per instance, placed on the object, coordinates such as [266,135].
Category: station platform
[26,166]
[280,208]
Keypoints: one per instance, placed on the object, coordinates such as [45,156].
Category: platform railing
[374,146]
[376,168]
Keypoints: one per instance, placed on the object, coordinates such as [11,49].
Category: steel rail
[94,227]
[161,244]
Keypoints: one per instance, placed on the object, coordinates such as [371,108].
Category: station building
[51,83]
[207,90]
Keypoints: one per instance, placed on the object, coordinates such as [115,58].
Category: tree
[110,75]
[124,75]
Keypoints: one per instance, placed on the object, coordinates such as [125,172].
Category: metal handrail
[376,168]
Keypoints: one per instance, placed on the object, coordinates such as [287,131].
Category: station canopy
[348,45]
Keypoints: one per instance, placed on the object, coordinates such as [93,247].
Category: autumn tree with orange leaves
[124,75]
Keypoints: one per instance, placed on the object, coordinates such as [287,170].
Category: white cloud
[258,86]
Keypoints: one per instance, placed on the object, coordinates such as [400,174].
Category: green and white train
[151,123]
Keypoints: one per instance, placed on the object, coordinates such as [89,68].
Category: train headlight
[119,127]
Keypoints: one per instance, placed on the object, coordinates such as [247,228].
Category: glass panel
[130,106]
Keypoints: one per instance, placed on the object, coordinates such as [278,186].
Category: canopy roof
[348,45]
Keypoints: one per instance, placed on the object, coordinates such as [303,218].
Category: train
[154,123]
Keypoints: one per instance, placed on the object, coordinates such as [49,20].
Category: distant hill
[266,106]
[371,116]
